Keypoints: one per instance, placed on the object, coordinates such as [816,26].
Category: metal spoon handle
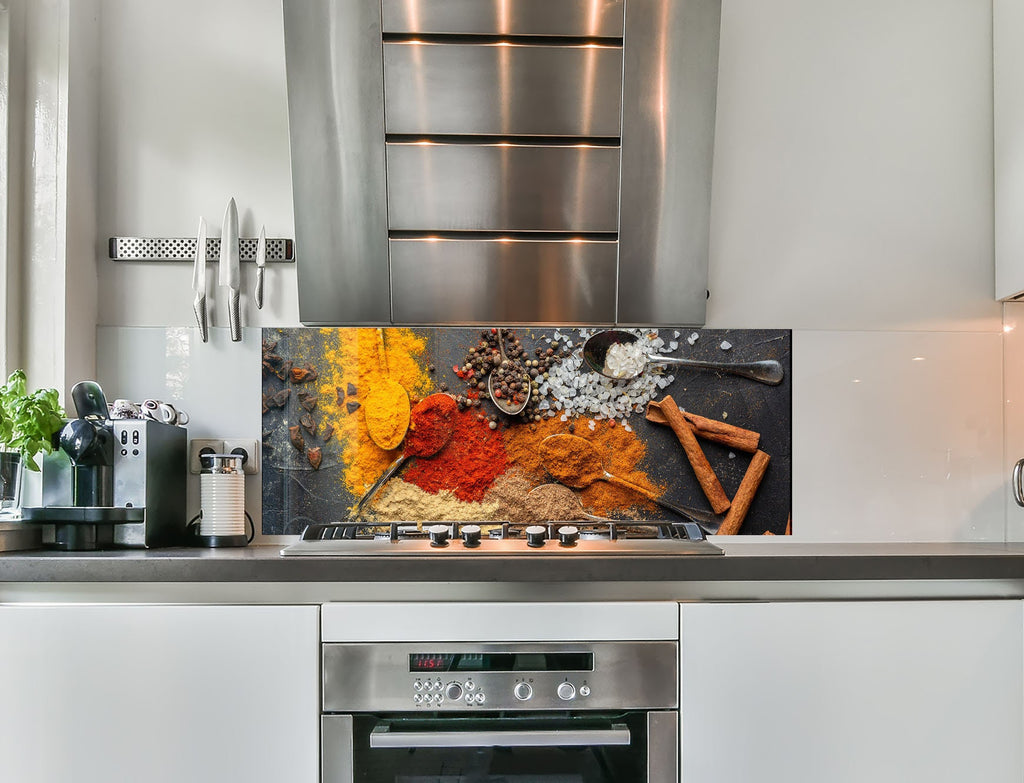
[708,521]
[390,471]
[765,371]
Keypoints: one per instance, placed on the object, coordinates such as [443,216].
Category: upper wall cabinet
[502,161]
[1008,103]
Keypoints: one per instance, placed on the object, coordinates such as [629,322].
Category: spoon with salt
[575,462]
[508,368]
[626,359]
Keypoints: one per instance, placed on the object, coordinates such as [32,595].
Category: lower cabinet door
[161,694]
[852,692]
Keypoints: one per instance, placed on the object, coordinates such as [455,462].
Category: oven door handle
[383,737]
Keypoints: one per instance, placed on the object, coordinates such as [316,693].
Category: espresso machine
[112,483]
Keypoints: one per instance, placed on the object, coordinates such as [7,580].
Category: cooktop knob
[566,691]
[536,535]
[453,691]
[568,535]
[471,535]
[438,535]
[522,691]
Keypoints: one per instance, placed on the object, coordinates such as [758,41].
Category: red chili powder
[468,465]
[430,425]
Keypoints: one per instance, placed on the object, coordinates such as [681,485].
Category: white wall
[852,203]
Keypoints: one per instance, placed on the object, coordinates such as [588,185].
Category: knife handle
[234,317]
[258,294]
[199,306]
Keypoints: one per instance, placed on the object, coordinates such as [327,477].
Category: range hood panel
[579,132]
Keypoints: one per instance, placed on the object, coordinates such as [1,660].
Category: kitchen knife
[229,274]
[261,262]
[199,281]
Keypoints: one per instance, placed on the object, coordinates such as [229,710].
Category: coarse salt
[625,360]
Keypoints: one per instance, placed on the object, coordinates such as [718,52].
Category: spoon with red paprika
[431,424]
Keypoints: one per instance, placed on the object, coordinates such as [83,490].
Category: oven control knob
[471,535]
[453,692]
[535,535]
[522,691]
[584,690]
[568,535]
[438,535]
[566,691]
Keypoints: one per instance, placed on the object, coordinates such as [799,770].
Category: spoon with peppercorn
[508,383]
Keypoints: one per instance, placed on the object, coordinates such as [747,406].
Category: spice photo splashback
[342,405]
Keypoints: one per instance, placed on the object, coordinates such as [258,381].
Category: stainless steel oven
[518,712]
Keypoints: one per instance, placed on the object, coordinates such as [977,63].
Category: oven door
[630,747]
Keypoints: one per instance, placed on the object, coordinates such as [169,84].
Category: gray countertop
[998,566]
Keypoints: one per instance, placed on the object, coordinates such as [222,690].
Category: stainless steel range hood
[501,161]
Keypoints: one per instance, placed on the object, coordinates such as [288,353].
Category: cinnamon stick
[709,429]
[745,495]
[701,467]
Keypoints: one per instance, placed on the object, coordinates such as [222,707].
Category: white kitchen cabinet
[1008,132]
[900,692]
[161,694]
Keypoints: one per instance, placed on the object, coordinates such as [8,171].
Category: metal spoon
[595,349]
[406,455]
[589,468]
[499,402]
[389,393]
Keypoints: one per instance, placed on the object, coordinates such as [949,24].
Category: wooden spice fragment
[745,495]
[304,374]
[315,456]
[698,461]
[341,395]
[352,407]
[295,436]
[328,432]
[279,399]
[709,429]
[307,400]
[351,390]
[308,423]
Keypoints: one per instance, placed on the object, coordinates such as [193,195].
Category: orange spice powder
[621,451]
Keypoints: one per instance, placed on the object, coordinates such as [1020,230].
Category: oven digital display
[502,662]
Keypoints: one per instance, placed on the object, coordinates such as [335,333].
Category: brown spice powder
[400,501]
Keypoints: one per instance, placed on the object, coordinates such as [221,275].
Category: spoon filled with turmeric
[386,407]
[575,462]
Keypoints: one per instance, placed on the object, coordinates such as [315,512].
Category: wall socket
[249,447]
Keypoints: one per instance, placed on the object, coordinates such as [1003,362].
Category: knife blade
[229,272]
[199,282]
[261,262]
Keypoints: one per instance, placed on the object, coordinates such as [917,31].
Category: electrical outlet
[248,448]
[198,446]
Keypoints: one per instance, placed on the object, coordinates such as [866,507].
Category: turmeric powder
[386,411]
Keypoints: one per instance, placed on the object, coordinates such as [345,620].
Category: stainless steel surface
[375,677]
[228,268]
[383,737]
[494,89]
[670,71]
[1018,488]
[199,282]
[502,187]
[335,77]
[663,747]
[557,282]
[167,249]
[489,547]
[261,262]
[592,18]
[336,746]
[221,463]
[17,536]
[464,78]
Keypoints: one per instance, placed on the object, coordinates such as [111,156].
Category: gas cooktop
[457,539]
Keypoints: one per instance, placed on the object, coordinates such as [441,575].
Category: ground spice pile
[572,460]
[468,465]
[622,453]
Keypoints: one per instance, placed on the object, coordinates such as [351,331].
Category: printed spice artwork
[467,461]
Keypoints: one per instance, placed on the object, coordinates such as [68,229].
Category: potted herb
[28,423]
